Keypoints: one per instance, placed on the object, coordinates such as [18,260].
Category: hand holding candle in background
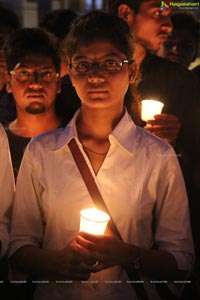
[165,126]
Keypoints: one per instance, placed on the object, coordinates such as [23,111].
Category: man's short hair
[133,4]
[98,25]
[28,41]
[58,21]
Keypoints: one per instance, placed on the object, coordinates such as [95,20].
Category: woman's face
[101,74]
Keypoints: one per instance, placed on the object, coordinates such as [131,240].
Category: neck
[97,125]
[94,127]
[28,125]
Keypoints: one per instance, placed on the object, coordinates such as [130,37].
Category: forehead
[97,48]
[31,60]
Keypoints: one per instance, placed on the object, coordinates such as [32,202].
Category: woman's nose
[95,78]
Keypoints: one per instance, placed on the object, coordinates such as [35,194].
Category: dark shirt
[196,72]
[17,147]
[7,107]
[177,88]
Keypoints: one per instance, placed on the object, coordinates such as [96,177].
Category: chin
[35,110]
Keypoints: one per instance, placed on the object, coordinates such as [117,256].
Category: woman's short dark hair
[98,25]
[28,41]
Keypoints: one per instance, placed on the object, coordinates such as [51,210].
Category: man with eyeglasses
[33,80]
[132,169]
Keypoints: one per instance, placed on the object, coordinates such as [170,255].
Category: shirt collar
[123,134]
[68,133]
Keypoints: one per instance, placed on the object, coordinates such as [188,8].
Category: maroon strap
[90,183]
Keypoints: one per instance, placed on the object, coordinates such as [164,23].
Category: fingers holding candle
[73,262]
[165,126]
[108,250]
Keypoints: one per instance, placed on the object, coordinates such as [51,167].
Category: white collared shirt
[7,187]
[140,177]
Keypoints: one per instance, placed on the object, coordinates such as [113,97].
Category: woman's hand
[107,250]
[74,262]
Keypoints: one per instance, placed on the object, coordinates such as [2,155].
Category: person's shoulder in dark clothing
[196,72]
[170,82]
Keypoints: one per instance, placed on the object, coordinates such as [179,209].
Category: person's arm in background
[7,187]
[165,126]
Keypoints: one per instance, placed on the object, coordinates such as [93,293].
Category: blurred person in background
[7,188]
[9,22]
[182,44]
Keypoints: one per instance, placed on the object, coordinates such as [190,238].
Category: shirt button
[95,285]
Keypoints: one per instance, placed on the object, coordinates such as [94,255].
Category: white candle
[150,108]
[93,221]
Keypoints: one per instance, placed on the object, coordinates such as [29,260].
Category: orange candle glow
[93,221]
[150,108]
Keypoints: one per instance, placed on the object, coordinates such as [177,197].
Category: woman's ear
[59,86]
[126,13]
[133,72]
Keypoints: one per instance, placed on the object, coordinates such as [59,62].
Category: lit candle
[93,221]
[150,108]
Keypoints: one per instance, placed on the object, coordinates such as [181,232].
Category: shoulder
[151,146]
[46,141]
[165,65]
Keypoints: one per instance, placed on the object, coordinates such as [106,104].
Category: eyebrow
[24,65]
[28,67]
[107,55]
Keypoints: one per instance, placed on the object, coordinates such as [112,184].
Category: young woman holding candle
[137,174]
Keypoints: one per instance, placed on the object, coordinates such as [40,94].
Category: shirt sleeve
[172,220]
[7,187]
[27,220]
